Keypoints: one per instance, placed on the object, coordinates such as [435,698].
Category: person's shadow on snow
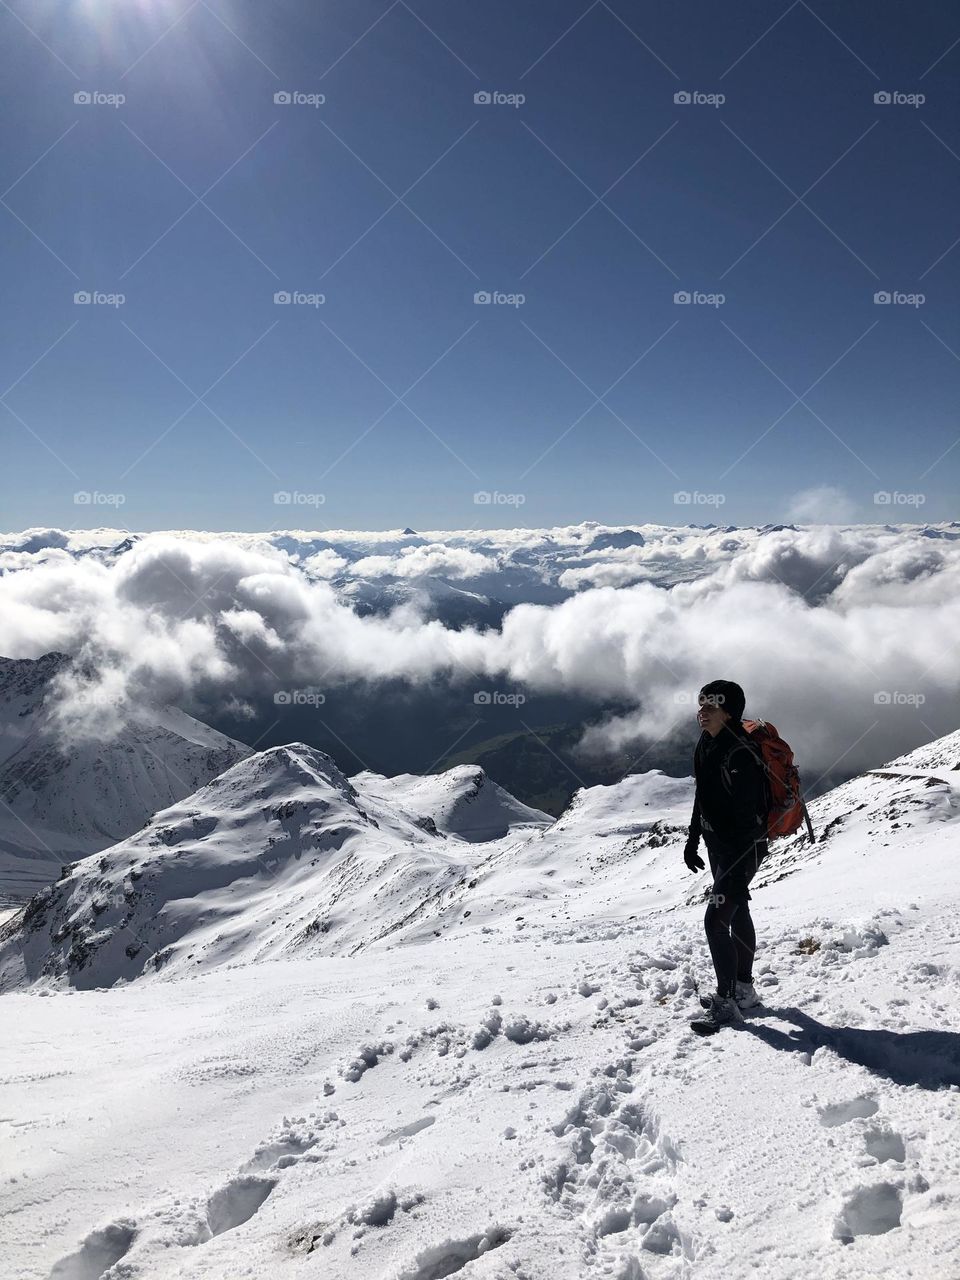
[929,1059]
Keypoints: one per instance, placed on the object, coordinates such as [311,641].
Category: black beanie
[729,697]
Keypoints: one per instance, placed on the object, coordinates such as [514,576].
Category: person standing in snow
[730,811]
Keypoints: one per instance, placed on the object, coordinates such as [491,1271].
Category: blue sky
[598,198]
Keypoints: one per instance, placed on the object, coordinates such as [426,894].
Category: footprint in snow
[236,1203]
[378,1210]
[367,1056]
[453,1255]
[884,1144]
[869,1211]
[837,1113]
[615,1175]
[227,1208]
[98,1252]
[280,1154]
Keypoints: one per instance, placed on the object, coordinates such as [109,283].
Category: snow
[516,1097]
[463,802]
[64,798]
[280,853]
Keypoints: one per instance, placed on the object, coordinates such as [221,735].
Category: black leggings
[733,942]
[728,924]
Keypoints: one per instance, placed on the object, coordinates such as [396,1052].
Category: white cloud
[813,623]
[433,560]
[325,564]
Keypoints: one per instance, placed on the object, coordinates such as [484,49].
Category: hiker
[730,810]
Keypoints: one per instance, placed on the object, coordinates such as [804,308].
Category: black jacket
[731,797]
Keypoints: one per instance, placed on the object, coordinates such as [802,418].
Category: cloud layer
[844,637]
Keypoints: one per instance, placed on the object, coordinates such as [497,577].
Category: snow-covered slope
[518,1098]
[912,803]
[277,855]
[613,852]
[943,754]
[62,797]
[282,854]
[462,802]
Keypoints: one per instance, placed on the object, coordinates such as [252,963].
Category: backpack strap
[746,744]
[806,818]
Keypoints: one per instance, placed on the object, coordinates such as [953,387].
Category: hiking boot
[723,1011]
[746,995]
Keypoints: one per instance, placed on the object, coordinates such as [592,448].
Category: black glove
[691,857]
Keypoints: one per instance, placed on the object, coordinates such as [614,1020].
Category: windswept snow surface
[520,1096]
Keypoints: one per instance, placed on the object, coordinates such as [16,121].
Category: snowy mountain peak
[257,844]
[279,852]
[280,771]
[23,677]
[126,545]
[63,798]
[622,802]
[462,801]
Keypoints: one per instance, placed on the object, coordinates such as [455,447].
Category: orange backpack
[787,812]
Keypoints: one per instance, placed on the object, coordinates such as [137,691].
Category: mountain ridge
[283,853]
[64,797]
